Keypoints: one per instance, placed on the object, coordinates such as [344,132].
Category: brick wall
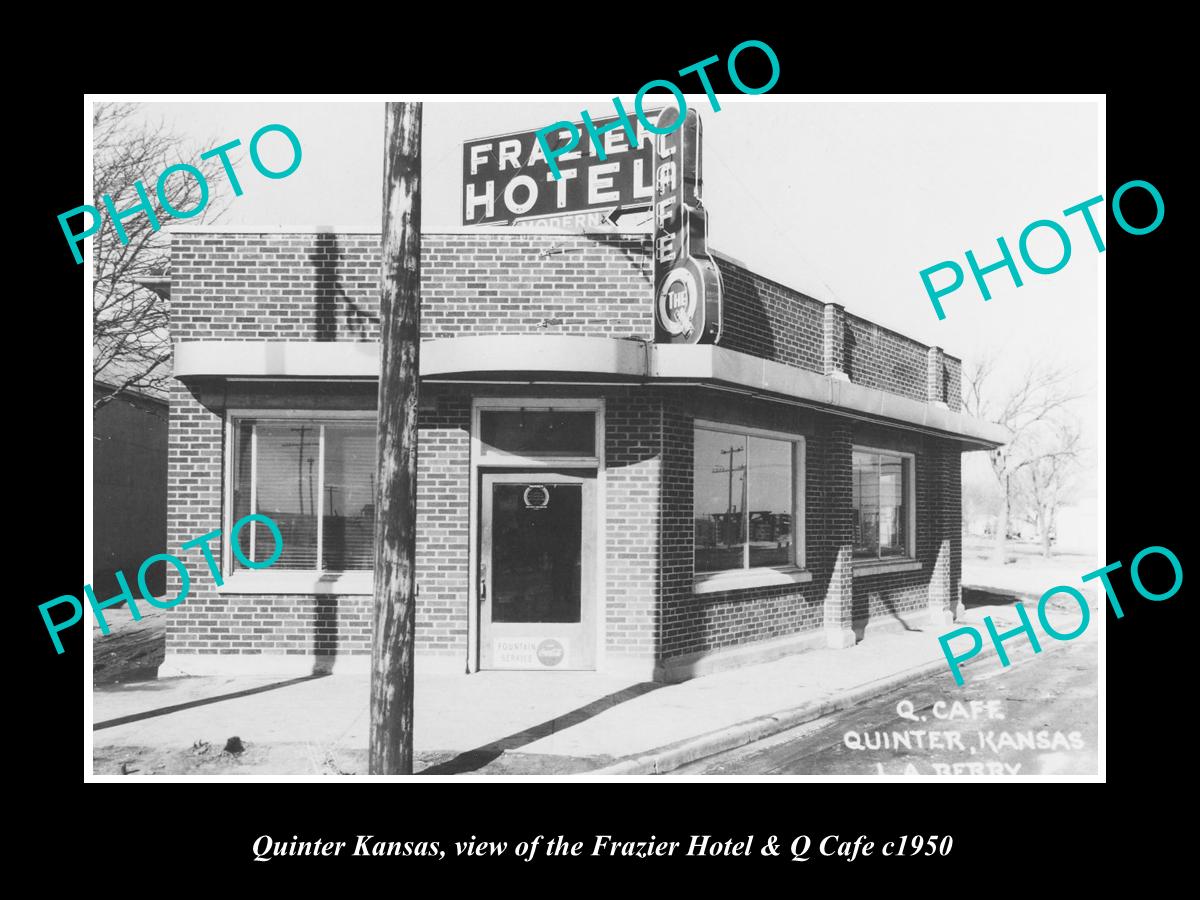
[443,524]
[597,285]
[764,318]
[633,481]
[693,623]
[897,597]
[223,622]
[324,287]
[953,382]
[879,358]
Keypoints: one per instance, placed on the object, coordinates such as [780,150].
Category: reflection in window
[879,499]
[349,515]
[770,502]
[743,490]
[278,473]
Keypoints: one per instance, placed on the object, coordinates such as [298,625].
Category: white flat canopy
[532,358]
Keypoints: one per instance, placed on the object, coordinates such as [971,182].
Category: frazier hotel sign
[508,181]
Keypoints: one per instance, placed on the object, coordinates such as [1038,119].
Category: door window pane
[538,432]
[536,552]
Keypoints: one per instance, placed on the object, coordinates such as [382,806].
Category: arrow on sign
[612,215]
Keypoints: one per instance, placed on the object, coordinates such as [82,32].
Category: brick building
[587,498]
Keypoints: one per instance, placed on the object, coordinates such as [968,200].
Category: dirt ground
[204,758]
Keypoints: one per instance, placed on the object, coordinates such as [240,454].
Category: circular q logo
[677,301]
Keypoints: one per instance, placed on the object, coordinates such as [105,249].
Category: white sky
[844,201]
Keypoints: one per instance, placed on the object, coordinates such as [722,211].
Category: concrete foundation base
[840,638]
[940,616]
[641,668]
[182,664]
[693,665]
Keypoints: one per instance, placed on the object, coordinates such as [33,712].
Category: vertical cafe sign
[687,283]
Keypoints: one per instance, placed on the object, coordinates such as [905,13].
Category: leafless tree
[1033,411]
[131,345]
[1049,478]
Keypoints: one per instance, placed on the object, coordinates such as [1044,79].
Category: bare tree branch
[1044,443]
[131,342]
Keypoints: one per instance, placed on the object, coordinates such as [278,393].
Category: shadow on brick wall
[325,637]
[747,323]
[325,257]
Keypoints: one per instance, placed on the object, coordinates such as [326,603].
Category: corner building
[587,498]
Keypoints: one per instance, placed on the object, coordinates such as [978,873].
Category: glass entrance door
[537,570]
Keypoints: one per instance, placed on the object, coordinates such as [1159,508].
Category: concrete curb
[672,756]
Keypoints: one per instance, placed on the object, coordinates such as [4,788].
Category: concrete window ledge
[866,568]
[748,578]
[280,582]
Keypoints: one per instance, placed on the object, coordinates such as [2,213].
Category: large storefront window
[882,505]
[316,480]
[744,501]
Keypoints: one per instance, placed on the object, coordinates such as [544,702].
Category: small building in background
[129,478]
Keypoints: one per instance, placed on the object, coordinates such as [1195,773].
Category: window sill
[748,578]
[296,582]
[866,567]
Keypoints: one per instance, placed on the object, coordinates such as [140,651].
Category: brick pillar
[935,377]
[834,341]
[954,525]
[945,591]
[838,538]
[941,608]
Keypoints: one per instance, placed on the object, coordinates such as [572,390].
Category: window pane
[893,521]
[719,500]
[531,432]
[241,488]
[349,519]
[287,492]
[865,500]
[770,502]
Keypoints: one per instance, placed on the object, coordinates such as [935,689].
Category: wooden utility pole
[394,632]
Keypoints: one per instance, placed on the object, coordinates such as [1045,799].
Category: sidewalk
[496,722]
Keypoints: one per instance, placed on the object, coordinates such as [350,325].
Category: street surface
[1037,717]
